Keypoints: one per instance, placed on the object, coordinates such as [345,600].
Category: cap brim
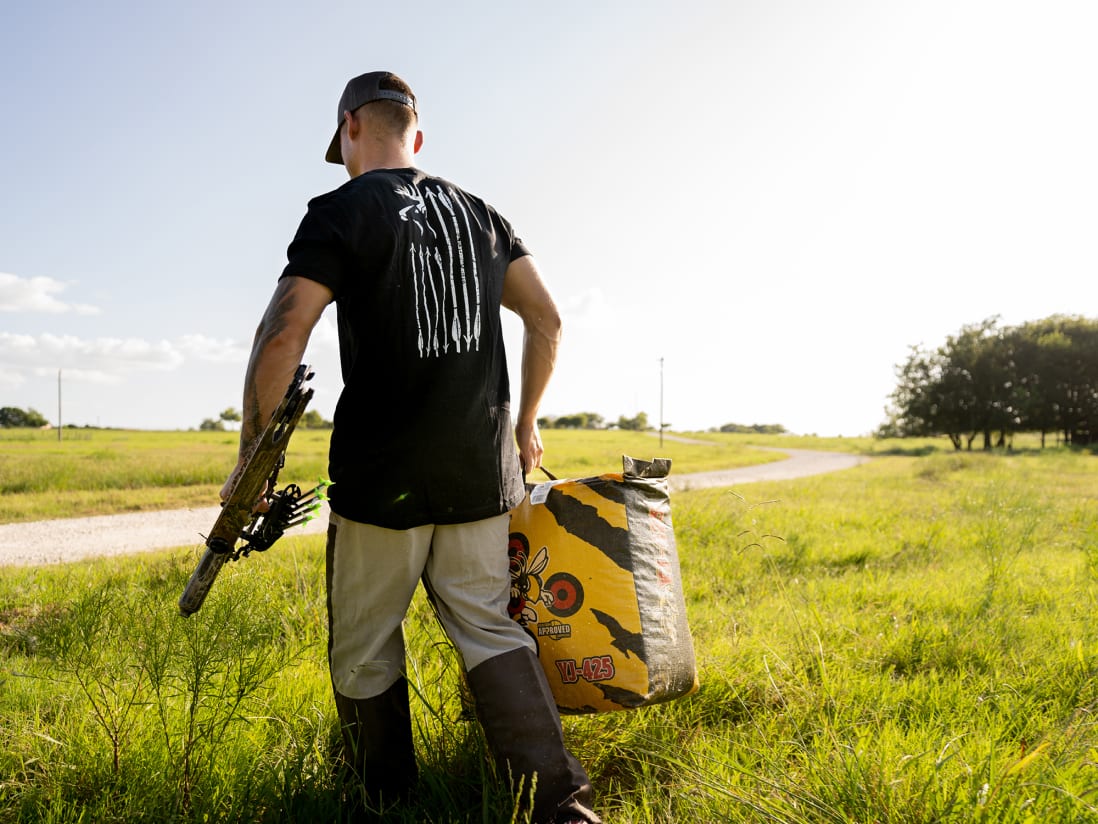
[335,151]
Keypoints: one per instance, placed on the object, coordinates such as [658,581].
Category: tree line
[639,423]
[593,420]
[754,429]
[994,381]
[12,417]
[310,420]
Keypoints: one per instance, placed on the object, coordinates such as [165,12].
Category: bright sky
[775,197]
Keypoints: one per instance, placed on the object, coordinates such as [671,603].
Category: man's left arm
[525,293]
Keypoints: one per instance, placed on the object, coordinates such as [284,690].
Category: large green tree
[1058,368]
[1042,376]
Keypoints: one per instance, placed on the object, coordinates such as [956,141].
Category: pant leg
[469,578]
[371,576]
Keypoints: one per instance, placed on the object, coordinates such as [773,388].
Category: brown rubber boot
[377,745]
[522,727]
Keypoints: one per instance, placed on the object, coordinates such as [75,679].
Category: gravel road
[72,539]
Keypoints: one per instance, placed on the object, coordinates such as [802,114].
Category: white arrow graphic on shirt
[476,279]
[445,200]
[455,328]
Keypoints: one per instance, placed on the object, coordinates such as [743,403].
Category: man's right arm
[279,345]
[277,350]
[525,293]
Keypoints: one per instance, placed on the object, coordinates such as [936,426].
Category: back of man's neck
[398,160]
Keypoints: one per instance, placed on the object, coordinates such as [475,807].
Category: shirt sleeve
[518,248]
[318,251]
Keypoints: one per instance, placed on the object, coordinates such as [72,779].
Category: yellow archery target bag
[595,581]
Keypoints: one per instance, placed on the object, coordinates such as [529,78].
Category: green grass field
[102,471]
[911,640]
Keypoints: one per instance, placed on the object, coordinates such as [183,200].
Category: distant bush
[755,428]
[314,420]
[635,424]
[13,418]
[580,420]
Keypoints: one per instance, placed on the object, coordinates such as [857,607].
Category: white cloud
[92,376]
[11,378]
[110,360]
[37,295]
[98,360]
[212,350]
[15,345]
[325,335]
[588,310]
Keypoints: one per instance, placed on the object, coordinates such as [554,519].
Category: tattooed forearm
[271,328]
[250,426]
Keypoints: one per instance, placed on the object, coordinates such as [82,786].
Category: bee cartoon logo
[562,593]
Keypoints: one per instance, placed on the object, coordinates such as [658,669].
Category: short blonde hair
[389,115]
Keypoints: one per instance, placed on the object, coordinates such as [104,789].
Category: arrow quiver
[257,477]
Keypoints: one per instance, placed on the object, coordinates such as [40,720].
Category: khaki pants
[372,575]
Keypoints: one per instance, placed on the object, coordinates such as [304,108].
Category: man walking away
[423,458]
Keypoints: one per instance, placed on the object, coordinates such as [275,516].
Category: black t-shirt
[423,425]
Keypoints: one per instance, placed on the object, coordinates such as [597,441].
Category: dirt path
[800,464]
[72,539]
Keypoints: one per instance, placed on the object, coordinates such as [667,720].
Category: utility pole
[661,403]
[59,406]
